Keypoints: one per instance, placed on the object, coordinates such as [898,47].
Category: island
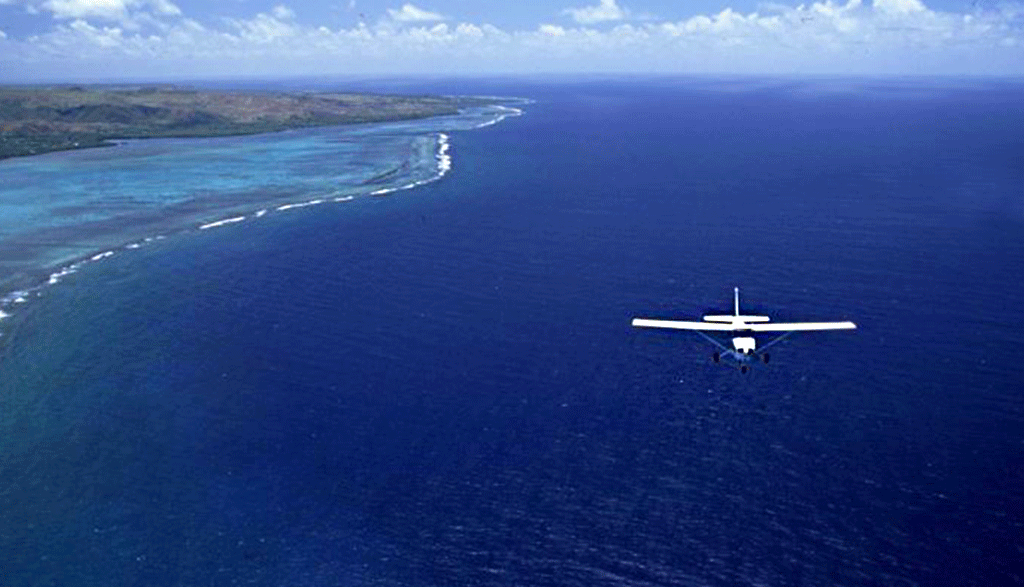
[36,120]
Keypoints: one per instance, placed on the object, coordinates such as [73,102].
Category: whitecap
[299,205]
[506,111]
[222,222]
[444,160]
[56,277]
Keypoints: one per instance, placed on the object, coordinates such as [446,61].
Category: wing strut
[779,338]
[716,343]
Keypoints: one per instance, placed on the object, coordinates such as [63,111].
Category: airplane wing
[733,327]
[795,326]
[683,325]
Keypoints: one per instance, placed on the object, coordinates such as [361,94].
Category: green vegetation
[41,119]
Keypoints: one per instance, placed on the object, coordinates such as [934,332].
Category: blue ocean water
[441,387]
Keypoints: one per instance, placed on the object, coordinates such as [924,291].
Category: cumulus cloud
[899,6]
[551,29]
[105,37]
[410,13]
[106,9]
[266,28]
[604,11]
[132,14]
[826,36]
[282,12]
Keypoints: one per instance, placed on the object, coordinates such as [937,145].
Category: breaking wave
[428,160]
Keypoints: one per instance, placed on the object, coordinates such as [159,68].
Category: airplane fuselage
[744,344]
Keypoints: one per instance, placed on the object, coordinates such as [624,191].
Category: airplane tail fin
[735,316]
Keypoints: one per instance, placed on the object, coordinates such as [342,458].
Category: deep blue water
[441,387]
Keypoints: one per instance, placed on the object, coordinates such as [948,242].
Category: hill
[37,120]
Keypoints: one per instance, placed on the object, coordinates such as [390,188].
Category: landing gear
[764,357]
[744,369]
[716,357]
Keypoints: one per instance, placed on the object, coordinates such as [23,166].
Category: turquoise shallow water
[59,207]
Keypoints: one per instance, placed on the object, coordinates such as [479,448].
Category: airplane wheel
[744,369]
[716,358]
[764,358]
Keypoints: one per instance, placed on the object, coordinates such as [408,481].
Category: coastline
[428,159]
[48,119]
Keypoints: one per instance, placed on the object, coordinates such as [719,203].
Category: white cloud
[282,12]
[110,9]
[3,35]
[899,6]
[604,11]
[826,36]
[107,9]
[165,7]
[267,28]
[551,29]
[410,13]
[131,14]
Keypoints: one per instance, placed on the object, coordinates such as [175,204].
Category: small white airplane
[744,344]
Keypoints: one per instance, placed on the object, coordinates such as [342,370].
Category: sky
[85,40]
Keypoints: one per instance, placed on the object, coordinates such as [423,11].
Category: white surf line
[56,277]
[21,296]
[508,111]
[73,268]
[14,297]
[222,222]
[444,160]
[516,99]
[299,205]
[444,165]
